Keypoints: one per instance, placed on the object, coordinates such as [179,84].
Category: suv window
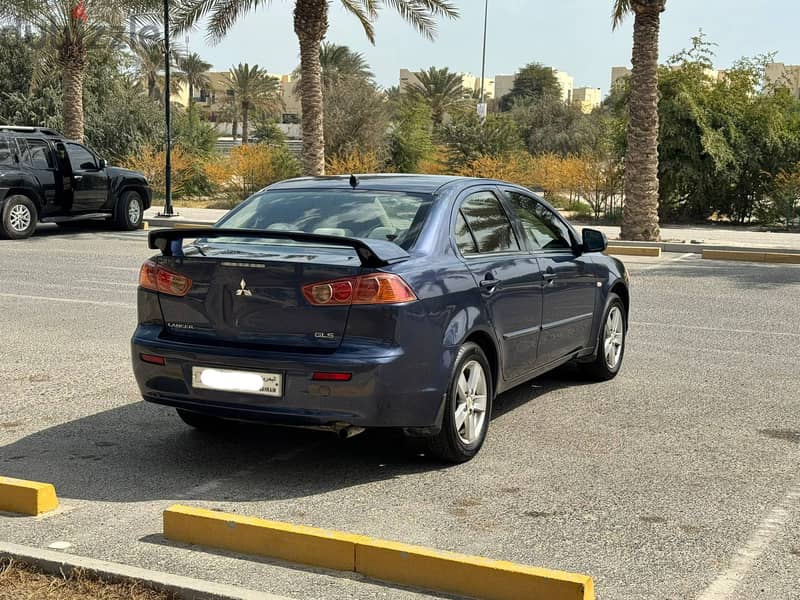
[37,154]
[80,158]
[487,222]
[7,150]
[543,229]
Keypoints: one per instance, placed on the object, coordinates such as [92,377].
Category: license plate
[245,382]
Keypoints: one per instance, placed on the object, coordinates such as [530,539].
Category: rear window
[7,152]
[394,216]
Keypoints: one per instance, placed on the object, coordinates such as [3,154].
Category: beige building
[214,101]
[618,73]
[503,85]
[780,75]
[586,98]
[471,83]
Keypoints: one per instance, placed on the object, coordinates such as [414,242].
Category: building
[503,85]
[471,83]
[214,101]
[617,74]
[586,98]
[567,84]
[780,75]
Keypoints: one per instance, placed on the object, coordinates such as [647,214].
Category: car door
[508,277]
[37,156]
[570,287]
[89,181]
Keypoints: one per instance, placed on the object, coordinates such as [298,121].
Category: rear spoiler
[372,253]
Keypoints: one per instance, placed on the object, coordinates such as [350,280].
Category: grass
[19,581]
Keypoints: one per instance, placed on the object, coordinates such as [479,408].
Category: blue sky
[570,35]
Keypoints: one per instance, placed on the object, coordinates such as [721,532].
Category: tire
[130,211]
[18,217]
[608,359]
[456,443]
[202,422]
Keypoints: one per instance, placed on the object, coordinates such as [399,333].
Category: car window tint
[37,154]
[464,240]
[388,216]
[80,157]
[543,230]
[7,150]
[489,223]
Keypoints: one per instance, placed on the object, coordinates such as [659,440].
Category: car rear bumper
[388,388]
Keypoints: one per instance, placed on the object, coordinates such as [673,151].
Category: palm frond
[366,11]
[621,10]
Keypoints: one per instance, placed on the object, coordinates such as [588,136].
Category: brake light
[155,277]
[323,376]
[378,288]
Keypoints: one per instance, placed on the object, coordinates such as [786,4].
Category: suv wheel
[18,217]
[468,408]
[130,211]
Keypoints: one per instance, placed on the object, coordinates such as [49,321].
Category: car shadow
[141,452]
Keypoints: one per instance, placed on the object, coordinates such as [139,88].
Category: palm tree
[149,57]
[640,218]
[194,71]
[440,89]
[310,26]
[337,63]
[72,31]
[253,89]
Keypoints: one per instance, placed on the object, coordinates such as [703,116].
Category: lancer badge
[243,291]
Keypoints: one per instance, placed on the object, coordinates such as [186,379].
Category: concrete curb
[382,560]
[26,497]
[619,250]
[750,256]
[185,588]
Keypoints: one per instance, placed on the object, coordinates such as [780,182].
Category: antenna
[353,181]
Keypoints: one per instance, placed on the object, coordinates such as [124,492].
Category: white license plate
[245,382]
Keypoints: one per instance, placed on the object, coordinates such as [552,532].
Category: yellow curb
[467,575]
[388,561]
[26,497]
[292,543]
[782,257]
[654,251]
[733,255]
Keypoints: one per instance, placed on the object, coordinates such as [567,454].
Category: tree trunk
[234,127]
[72,61]
[640,219]
[310,25]
[245,124]
[191,94]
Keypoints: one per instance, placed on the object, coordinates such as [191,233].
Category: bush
[250,168]
[354,161]
[151,162]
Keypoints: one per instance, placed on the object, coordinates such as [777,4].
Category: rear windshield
[394,216]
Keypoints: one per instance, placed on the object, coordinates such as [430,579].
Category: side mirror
[101,164]
[594,241]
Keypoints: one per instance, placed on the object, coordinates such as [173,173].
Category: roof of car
[28,130]
[426,184]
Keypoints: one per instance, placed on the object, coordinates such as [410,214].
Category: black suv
[46,178]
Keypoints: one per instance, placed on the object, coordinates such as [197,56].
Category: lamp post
[168,212]
[482,106]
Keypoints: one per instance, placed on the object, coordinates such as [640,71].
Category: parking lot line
[68,300]
[718,329]
[724,587]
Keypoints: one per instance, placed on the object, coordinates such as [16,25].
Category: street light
[168,212]
[482,106]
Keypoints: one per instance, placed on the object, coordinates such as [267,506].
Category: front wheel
[18,218]
[610,342]
[130,212]
[468,408]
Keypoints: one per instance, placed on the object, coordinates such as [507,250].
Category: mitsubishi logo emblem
[243,291]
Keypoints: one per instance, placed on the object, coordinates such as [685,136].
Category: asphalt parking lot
[679,479]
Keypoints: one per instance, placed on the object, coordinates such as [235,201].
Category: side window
[7,150]
[80,158]
[543,230]
[464,240]
[37,154]
[488,223]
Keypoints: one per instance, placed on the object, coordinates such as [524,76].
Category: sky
[569,35]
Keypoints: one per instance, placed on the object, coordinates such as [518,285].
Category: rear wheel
[610,342]
[468,408]
[200,421]
[18,218]
[130,211]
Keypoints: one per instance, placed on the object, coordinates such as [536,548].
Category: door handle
[549,279]
[78,177]
[490,283]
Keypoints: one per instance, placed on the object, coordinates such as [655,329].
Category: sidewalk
[674,238]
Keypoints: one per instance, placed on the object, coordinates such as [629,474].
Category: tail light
[155,277]
[378,288]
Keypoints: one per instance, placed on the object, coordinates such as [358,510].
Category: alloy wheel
[471,402]
[614,337]
[19,218]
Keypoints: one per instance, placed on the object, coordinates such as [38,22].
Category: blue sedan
[402,301]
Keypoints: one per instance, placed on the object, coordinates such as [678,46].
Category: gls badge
[321,335]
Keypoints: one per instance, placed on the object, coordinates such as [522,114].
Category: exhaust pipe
[346,431]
